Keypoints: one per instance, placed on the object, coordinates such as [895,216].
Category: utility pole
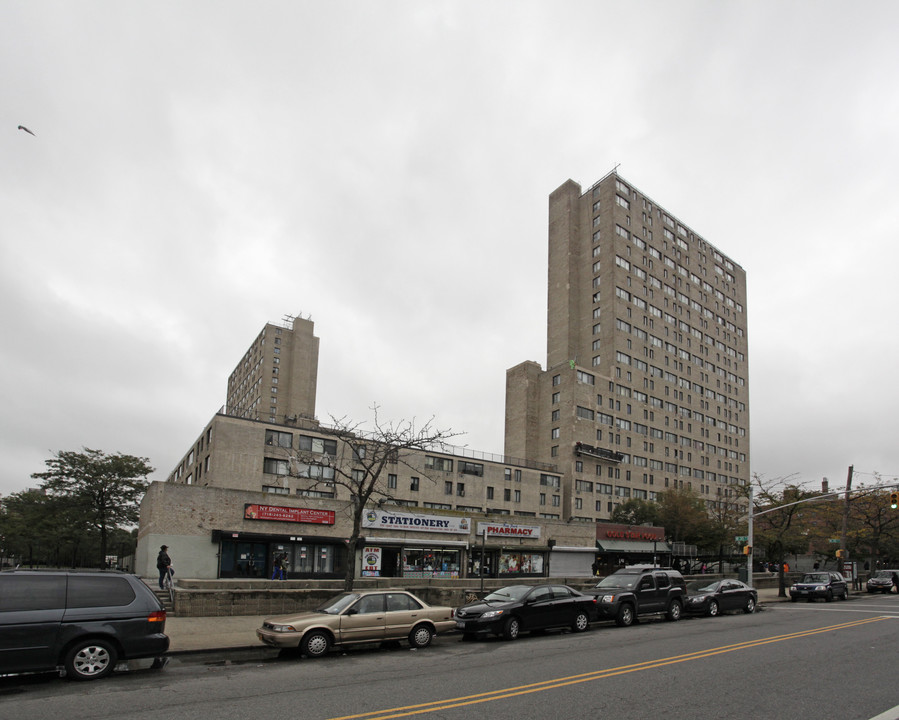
[845,520]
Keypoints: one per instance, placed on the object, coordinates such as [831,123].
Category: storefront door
[243,559]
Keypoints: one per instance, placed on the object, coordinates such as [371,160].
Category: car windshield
[816,578]
[616,580]
[508,594]
[701,586]
[337,604]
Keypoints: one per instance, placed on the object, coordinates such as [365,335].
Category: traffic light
[747,549]
[894,500]
[840,553]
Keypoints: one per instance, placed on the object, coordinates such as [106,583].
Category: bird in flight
[22,127]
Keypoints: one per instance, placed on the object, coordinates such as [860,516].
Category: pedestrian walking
[163,564]
[278,567]
[896,582]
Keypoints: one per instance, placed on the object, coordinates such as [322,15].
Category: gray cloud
[199,170]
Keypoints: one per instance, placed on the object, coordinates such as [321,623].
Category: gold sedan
[358,617]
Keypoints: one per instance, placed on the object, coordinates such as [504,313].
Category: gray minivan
[86,622]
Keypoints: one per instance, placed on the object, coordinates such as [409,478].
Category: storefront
[416,556]
[507,550]
[253,555]
[618,545]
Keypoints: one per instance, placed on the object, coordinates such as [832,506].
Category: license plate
[460,625]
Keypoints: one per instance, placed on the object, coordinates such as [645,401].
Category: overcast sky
[200,168]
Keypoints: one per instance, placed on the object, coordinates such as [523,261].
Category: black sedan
[516,608]
[713,598]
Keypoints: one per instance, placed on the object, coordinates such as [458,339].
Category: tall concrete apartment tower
[277,377]
[646,379]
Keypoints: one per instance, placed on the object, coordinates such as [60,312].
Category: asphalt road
[788,660]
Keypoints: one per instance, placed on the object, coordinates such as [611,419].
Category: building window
[556,501]
[469,468]
[440,464]
[507,494]
[275,490]
[391,481]
[448,487]
[271,466]
[460,489]
[489,493]
[556,397]
[554,434]
[413,484]
[517,496]
[317,445]
[278,439]
[543,498]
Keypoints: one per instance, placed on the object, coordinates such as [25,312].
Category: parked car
[881,582]
[516,608]
[86,622]
[718,596]
[820,584]
[640,590]
[358,617]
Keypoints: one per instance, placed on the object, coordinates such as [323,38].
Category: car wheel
[845,595]
[90,660]
[581,621]
[511,628]
[829,596]
[713,608]
[316,644]
[625,616]
[421,636]
[750,606]
[674,611]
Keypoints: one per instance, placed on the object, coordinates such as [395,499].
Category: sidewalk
[195,634]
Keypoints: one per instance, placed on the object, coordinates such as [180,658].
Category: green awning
[632,546]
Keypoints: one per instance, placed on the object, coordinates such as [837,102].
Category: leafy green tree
[105,488]
[636,511]
[781,523]
[684,516]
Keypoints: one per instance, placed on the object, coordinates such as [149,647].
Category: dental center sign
[384,520]
[508,530]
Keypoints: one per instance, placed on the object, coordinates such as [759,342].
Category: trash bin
[742,574]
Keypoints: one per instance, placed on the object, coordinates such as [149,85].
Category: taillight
[157,616]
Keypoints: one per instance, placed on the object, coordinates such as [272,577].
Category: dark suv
[84,621]
[640,590]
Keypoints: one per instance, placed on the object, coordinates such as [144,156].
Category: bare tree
[783,528]
[360,462]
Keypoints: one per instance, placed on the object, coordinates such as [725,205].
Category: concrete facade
[647,357]
[645,388]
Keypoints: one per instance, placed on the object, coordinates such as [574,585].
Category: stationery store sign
[383,520]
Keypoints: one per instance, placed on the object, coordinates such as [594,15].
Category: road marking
[505,693]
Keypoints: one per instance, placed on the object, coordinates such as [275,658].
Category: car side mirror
[352,611]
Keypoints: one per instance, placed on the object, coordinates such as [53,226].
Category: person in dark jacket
[163,564]
[896,582]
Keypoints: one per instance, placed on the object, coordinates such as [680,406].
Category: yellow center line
[595,675]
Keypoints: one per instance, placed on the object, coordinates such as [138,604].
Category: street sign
[834,540]
[742,538]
